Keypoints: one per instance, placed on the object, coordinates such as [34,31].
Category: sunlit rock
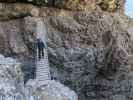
[52,91]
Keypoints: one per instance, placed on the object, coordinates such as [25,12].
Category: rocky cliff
[12,85]
[88,50]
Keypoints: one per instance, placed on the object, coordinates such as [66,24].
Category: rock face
[88,51]
[53,91]
[11,79]
[12,85]
[12,37]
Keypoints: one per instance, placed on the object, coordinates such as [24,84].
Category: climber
[41,45]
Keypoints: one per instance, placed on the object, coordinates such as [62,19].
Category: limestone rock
[91,56]
[52,91]
[88,51]
[12,86]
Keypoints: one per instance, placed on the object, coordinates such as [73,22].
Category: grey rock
[88,51]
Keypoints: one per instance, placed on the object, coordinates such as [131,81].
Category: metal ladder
[42,68]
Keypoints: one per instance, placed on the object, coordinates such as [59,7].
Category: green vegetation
[60,67]
[106,5]
[112,5]
[40,2]
[75,4]
[60,3]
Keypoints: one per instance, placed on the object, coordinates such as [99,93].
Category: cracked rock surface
[88,51]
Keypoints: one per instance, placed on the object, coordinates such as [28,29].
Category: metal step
[42,64]
[43,75]
[43,67]
[43,70]
[42,78]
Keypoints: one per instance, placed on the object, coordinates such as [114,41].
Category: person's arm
[45,44]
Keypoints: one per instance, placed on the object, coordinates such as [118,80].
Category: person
[40,45]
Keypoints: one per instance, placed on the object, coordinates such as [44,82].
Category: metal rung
[42,70]
[42,74]
[43,66]
[43,79]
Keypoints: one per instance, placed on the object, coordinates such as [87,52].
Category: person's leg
[39,53]
[42,52]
